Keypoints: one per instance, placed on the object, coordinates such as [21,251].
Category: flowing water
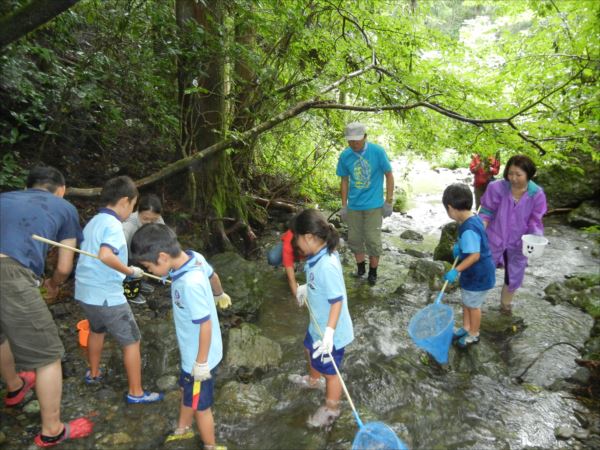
[509,391]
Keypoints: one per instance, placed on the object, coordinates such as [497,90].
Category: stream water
[511,391]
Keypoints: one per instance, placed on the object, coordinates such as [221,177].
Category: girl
[328,306]
[511,208]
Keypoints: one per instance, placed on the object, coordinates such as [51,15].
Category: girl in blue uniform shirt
[328,302]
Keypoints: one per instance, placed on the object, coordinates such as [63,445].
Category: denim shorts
[202,398]
[323,364]
[473,299]
[118,321]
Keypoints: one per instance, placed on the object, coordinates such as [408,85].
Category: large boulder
[585,215]
[426,271]
[239,401]
[443,251]
[567,184]
[247,348]
[241,281]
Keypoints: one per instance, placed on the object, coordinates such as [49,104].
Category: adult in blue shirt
[25,319]
[363,166]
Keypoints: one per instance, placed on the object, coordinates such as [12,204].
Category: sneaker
[323,417]
[15,397]
[138,299]
[89,379]
[146,397]
[180,434]
[146,288]
[467,340]
[458,333]
[305,382]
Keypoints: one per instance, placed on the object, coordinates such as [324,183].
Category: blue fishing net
[377,436]
[431,329]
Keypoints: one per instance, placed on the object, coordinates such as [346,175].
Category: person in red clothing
[286,253]
[484,169]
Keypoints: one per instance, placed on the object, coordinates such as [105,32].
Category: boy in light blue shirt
[156,247]
[99,287]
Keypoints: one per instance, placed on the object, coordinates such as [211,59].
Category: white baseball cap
[355,131]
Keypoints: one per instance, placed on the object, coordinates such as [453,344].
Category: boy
[155,246]
[476,268]
[99,287]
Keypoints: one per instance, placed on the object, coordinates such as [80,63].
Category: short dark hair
[152,239]
[150,202]
[522,162]
[46,177]
[313,222]
[459,196]
[117,188]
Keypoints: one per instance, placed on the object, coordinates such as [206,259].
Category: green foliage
[12,175]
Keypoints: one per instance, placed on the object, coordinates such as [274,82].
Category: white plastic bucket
[533,245]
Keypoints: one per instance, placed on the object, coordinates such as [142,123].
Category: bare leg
[48,388]
[334,392]
[95,346]
[314,376]
[466,319]
[373,261]
[359,257]
[475,320]
[506,298]
[206,426]
[186,415]
[133,366]
[7,368]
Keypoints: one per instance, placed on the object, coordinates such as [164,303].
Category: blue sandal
[146,397]
[89,379]
[459,333]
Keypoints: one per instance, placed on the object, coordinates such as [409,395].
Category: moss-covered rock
[443,251]
[247,347]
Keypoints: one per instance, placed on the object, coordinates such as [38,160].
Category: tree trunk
[27,18]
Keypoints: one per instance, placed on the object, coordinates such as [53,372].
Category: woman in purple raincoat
[511,208]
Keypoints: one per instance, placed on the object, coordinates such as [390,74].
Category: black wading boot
[361,269]
[372,278]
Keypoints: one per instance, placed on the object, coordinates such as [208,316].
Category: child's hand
[200,371]
[301,294]
[223,300]
[137,272]
[326,344]
[451,276]
[49,290]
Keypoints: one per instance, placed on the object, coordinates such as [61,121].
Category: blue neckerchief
[175,274]
[109,212]
[313,259]
[532,188]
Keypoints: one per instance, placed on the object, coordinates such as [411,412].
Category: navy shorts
[198,396]
[323,364]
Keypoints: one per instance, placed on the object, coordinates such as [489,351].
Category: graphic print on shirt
[177,300]
[362,173]
[311,281]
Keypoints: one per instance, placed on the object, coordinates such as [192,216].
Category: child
[149,210]
[328,303]
[156,247]
[99,287]
[476,268]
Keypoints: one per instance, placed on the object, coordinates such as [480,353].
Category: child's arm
[468,262]
[107,256]
[201,371]
[326,346]
[223,300]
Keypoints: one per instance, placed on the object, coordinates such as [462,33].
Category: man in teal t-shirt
[363,166]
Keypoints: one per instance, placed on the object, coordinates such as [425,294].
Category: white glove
[387,209]
[344,213]
[301,295]
[200,371]
[325,346]
[223,300]
[137,272]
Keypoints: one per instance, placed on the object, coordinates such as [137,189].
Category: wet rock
[120,438]
[33,407]
[411,235]
[248,348]
[416,253]
[443,251]
[246,400]
[167,383]
[564,432]
[424,270]
[582,435]
[240,280]
[585,215]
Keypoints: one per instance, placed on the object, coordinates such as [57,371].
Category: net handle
[83,252]
[337,371]
[441,294]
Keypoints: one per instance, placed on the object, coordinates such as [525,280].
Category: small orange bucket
[84,332]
